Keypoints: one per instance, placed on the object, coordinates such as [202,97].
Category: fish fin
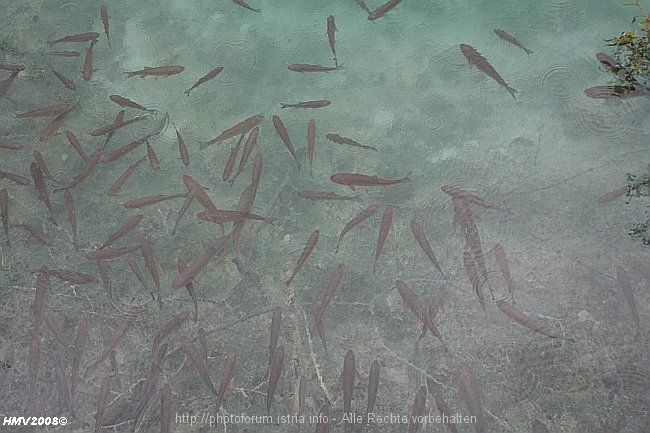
[283,105]
[511,91]
[187,92]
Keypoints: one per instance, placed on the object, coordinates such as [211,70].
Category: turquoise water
[406,89]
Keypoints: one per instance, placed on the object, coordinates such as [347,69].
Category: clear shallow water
[407,90]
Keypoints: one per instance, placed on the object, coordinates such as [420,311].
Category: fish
[362,5]
[306,252]
[127,103]
[519,317]
[349,370]
[311,144]
[502,261]
[39,184]
[150,384]
[124,150]
[81,37]
[151,263]
[332,286]
[194,357]
[256,174]
[102,403]
[116,186]
[40,297]
[476,59]
[167,329]
[304,67]
[166,408]
[616,92]
[384,228]
[445,413]
[77,359]
[151,200]
[373,386]
[331,28]
[220,216]
[11,67]
[62,54]
[130,317]
[4,210]
[38,157]
[10,145]
[417,413]
[53,127]
[383,9]
[195,268]
[67,82]
[110,253]
[15,178]
[422,240]
[112,127]
[352,180]
[7,84]
[511,39]
[250,144]
[89,167]
[469,392]
[470,198]
[47,111]
[320,195]
[317,314]
[613,195]
[361,217]
[54,328]
[207,77]
[72,277]
[38,234]
[284,135]
[154,162]
[232,159]
[414,302]
[274,332]
[138,274]
[348,141]
[226,376]
[74,142]
[160,71]
[182,148]
[88,62]
[274,375]
[104,13]
[243,4]
[240,128]
[183,210]
[626,289]
[308,104]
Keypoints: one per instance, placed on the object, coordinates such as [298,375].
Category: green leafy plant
[639,187]
[632,51]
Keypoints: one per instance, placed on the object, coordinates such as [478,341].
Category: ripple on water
[561,83]
[240,60]
[65,16]
[607,123]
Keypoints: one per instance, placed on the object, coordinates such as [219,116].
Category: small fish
[308,104]
[138,274]
[194,357]
[226,376]
[151,263]
[124,150]
[511,39]
[361,217]
[150,200]
[502,261]
[250,144]
[207,77]
[240,128]
[445,413]
[53,127]
[331,28]
[63,54]
[320,195]
[182,148]
[274,332]
[38,157]
[626,289]
[384,228]
[243,4]
[362,5]
[72,277]
[274,375]
[104,13]
[303,67]
[88,62]
[349,370]
[419,404]
[256,174]
[38,234]
[519,317]
[220,216]
[102,403]
[127,103]
[311,144]
[167,329]
[470,394]
[130,317]
[11,67]
[183,210]
[232,159]
[332,286]
[4,210]
[126,228]
[50,110]
[476,59]
[383,9]
[470,198]
[81,37]
[15,178]
[112,127]
[352,180]
[317,314]
[154,162]
[306,252]
[7,84]
[11,145]
[67,82]
[195,268]
[89,167]
[74,142]
[373,386]
[422,240]
[166,408]
[116,186]
[613,195]
[109,253]
[150,385]
[77,359]
[39,184]
[348,141]
[160,71]
[284,135]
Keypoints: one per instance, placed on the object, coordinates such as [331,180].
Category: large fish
[475,58]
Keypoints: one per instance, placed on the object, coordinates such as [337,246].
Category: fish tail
[283,105]
[341,66]
[528,51]
[131,74]
[187,92]
[511,91]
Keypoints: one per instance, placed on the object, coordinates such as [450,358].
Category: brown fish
[182,148]
[474,279]
[150,384]
[62,53]
[349,370]
[362,5]
[469,392]
[626,289]
[4,210]
[124,150]
[470,198]
[361,217]
[422,240]
[67,82]
[109,253]
[151,263]
[11,145]
[445,413]
[130,317]
[274,332]
[220,216]
[232,159]
[476,59]
[104,13]
[39,184]
[38,234]
[373,386]
[72,277]
[306,252]
[112,127]
[331,28]
[168,328]
[243,4]
[194,357]
[317,314]
[54,328]
[383,9]
[256,174]
[511,40]
[384,228]
[47,111]
[519,317]
[320,195]
[502,261]
[116,186]
[126,228]
[7,84]
[160,71]
[74,142]
[151,200]
[81,37]
[323,419]
[102,403]
[89,167]
[38,157]
[274,376]
[616,92]
[195,268]
[88,62]
[331,288]
[154,162]
[207,77]
[226,376]
[419,404]
[303,67]
[11,67]
[15,178]
[166,408]
[348,142]
[240,128]
[138,274]
[53,127]
[311,144]
[250,144]
[352,180]
[308,104]
[127,103]
[284,135]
